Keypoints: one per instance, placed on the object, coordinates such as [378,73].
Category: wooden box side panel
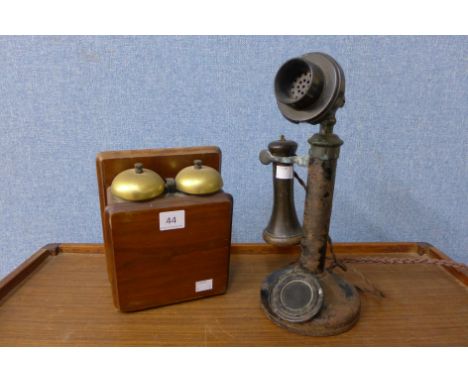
[155,268]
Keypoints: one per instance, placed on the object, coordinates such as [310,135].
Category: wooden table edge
[19,274]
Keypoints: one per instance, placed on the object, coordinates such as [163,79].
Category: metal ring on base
[296,296]
[335,311]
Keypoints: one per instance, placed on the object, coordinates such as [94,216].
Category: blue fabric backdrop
[402,174]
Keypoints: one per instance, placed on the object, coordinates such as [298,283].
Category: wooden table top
[61,297]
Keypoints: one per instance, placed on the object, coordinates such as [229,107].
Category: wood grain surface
[66,301]
[154,267]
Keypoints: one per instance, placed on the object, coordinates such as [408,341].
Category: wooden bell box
[169,249]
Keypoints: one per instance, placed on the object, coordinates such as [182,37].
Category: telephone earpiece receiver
[284,228]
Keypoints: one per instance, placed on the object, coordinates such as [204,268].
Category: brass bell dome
[198,179]
[137,184]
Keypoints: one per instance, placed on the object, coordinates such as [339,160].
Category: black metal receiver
[283,228]
[305,297]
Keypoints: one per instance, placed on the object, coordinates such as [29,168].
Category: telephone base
[339,310]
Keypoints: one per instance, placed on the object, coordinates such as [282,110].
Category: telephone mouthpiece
[309,88]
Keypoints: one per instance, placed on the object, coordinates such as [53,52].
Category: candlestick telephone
[305,297]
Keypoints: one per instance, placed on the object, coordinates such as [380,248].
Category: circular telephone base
[310,304]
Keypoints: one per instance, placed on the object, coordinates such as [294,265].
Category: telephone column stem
[324,153]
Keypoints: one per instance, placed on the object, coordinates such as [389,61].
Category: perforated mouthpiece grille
[300,85]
